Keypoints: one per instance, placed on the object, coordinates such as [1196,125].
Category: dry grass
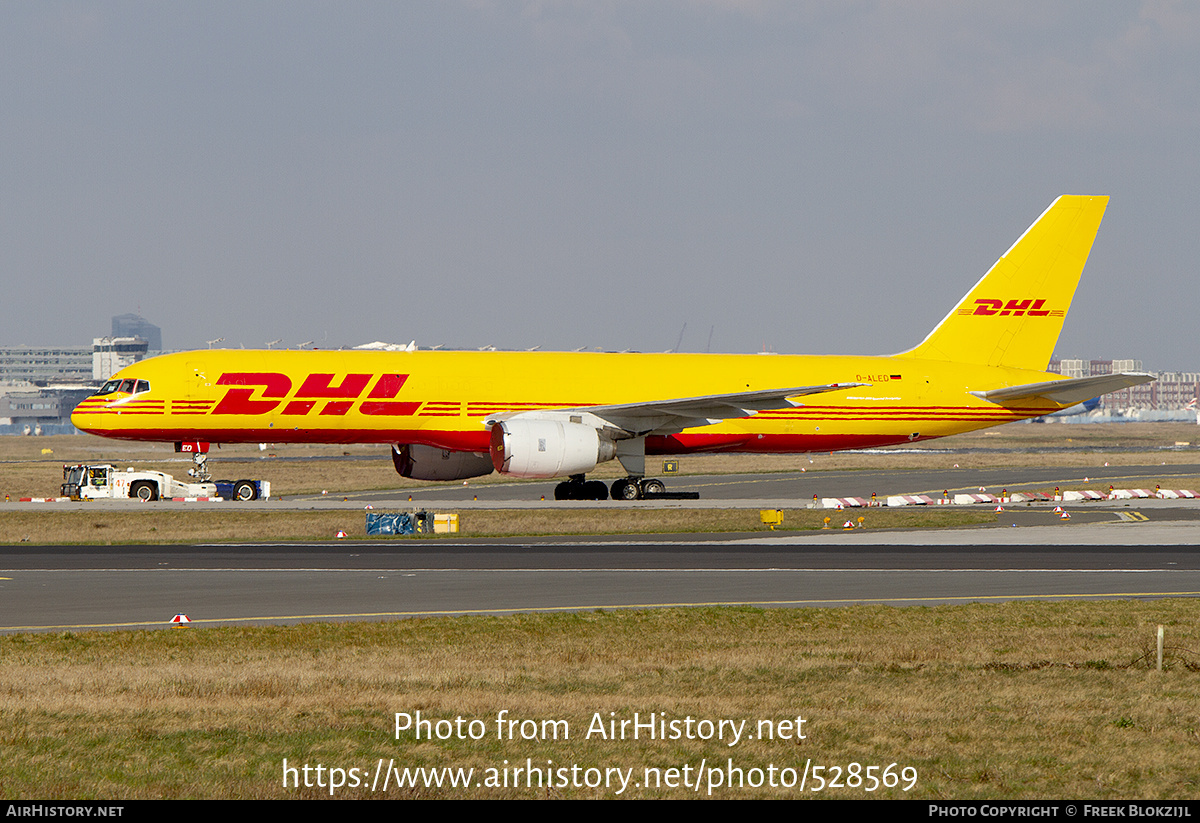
[1023,700]
[173,526]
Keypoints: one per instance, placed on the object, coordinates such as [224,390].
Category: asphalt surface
[60,588]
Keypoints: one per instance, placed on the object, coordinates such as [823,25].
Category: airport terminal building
[41,385]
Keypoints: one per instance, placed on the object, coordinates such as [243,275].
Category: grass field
[1023,700]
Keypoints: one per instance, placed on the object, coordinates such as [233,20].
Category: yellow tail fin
[1013,316]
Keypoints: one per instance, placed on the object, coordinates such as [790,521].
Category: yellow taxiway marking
[614,606]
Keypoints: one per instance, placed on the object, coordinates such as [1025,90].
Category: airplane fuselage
[441,399]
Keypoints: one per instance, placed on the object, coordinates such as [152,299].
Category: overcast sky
[812,178]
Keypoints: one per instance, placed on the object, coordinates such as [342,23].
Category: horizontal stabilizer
[1067,392]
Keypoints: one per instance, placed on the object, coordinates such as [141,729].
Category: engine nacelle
[548,448]
[429,463]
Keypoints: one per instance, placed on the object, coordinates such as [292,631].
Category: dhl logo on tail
[1016,308]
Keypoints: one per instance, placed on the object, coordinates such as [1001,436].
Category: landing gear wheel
[652,487]
[578,489]
[143,490]
[244,490]
[626,489]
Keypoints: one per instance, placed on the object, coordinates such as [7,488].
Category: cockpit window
[126,386]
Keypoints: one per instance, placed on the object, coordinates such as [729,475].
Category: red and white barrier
[967,499]
[908,500]
[1130,494]
[1030,497]
[844,502]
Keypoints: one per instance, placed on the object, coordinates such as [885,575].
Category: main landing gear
[576,488]
[627,488]
[636,488]
[632,454]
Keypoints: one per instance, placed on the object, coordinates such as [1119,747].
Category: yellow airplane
[451,415]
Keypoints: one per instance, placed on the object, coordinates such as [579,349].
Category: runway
[51,588]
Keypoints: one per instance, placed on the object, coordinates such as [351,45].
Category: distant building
[69,365]
[134,325]
[1092,368]
[39,411]
[43,365]
[111,354]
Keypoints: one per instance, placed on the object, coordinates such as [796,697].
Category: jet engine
[429,463]
[548,448]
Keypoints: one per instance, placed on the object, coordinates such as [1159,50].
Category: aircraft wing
[672,416]
[1067,392]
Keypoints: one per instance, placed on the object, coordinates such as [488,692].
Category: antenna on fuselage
[679,342]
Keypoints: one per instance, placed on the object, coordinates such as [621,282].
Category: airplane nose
[84,418]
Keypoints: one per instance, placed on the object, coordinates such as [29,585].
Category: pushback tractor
[102,481]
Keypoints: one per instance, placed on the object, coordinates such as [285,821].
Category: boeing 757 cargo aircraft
[451,415]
